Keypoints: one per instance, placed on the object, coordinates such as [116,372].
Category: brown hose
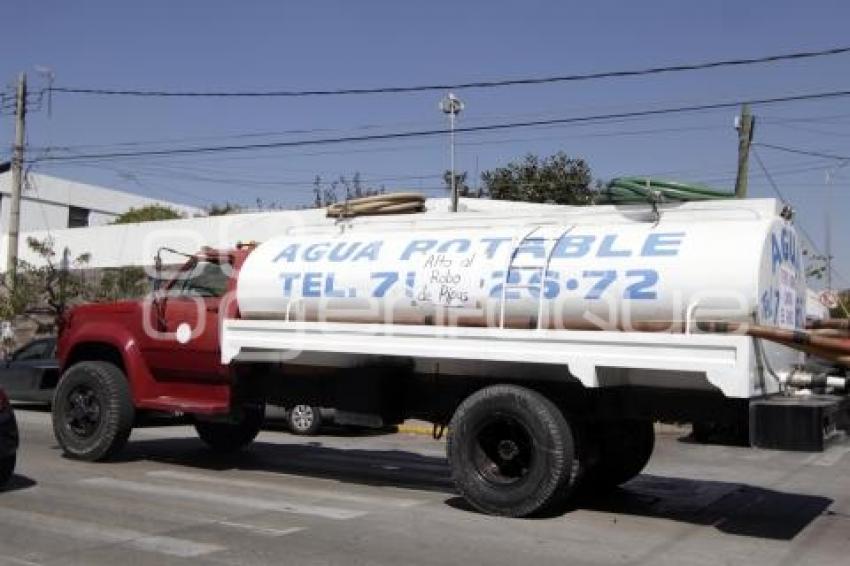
[393,203]
[831,323]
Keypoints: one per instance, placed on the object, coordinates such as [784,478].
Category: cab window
[205,279]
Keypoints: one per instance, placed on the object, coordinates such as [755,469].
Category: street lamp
[452,106]
[828,221]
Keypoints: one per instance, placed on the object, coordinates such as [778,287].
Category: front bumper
[8,433]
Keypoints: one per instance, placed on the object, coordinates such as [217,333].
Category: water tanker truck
[548,343]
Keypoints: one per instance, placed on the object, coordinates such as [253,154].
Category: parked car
[8,439]
[301,419]
[31,372]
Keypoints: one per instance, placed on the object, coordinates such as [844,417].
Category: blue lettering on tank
[287,279]
[315,252]
[342,251]
[493,245]
[606,248]
[312,285]
[329,287]
[533,246]
[460,245]
[573,246]
[662,244]
[369,252]
[288,253]
[418,246]
[775,253]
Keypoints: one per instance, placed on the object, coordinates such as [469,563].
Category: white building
[49,203]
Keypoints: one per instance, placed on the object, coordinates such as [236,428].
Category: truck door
[190,324]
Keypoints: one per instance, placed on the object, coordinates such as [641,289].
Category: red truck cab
[163,349]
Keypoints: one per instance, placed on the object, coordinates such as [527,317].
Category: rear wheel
[622,450]
[7,468]
[92,411]
[511,452]
[232,436]
[304,419]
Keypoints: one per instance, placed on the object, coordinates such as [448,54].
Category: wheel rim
[82,411]
[503,451]
[302,417]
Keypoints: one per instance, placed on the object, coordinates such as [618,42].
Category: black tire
[304,420]
[511,452]
[92,411]
[227,437]
[622,450]
[7,468]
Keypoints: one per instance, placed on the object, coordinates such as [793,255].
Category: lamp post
[452,106]
[828,220]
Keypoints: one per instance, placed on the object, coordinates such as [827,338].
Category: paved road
[387,500]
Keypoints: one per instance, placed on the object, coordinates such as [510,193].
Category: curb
[420,428]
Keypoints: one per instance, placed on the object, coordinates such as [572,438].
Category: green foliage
[556,179]
[46,288]
[463,189]
[118,283]
[148,214]
[223,209]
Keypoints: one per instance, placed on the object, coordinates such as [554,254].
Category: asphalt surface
[386,499]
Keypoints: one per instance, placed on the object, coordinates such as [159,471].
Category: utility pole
[17,182]
[744,124]
[452,106]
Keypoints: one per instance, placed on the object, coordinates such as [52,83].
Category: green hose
[626,190]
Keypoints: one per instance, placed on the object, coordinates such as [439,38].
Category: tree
[47,288]
[326,194]
[118,283]
[223,209]
[557,179]
[460,179]
[148,213]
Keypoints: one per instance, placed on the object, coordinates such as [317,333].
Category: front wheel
[511,452]
[92,411]
[7,468]
[229,436]
[304,419]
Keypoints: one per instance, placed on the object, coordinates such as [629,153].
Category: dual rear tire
[512,452]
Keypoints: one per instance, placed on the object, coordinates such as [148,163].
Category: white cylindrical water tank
[626,276]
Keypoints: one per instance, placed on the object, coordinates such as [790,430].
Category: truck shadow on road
[732,508]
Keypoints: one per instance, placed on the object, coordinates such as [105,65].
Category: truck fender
[142,383]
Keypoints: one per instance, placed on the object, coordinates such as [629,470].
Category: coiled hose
[393,203]
[628,190]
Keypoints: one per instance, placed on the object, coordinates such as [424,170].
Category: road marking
[92,532]
[21,561]
[261,530]
[266,504]
[276,488]
[832,456]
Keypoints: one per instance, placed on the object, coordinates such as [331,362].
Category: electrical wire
[459,86]
[443,131]
[804,151]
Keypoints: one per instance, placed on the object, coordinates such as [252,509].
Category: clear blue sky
[219,45]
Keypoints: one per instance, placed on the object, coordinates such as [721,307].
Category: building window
[78,217]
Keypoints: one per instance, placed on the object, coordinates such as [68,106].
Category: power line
[804,151]
[458,86]
[442,131]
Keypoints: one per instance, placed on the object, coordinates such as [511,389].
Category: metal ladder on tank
[540,268]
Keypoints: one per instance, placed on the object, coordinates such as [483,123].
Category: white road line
[266,504]
[267,487]
[21,561]
[83,530]
[267,531]
[832,456]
